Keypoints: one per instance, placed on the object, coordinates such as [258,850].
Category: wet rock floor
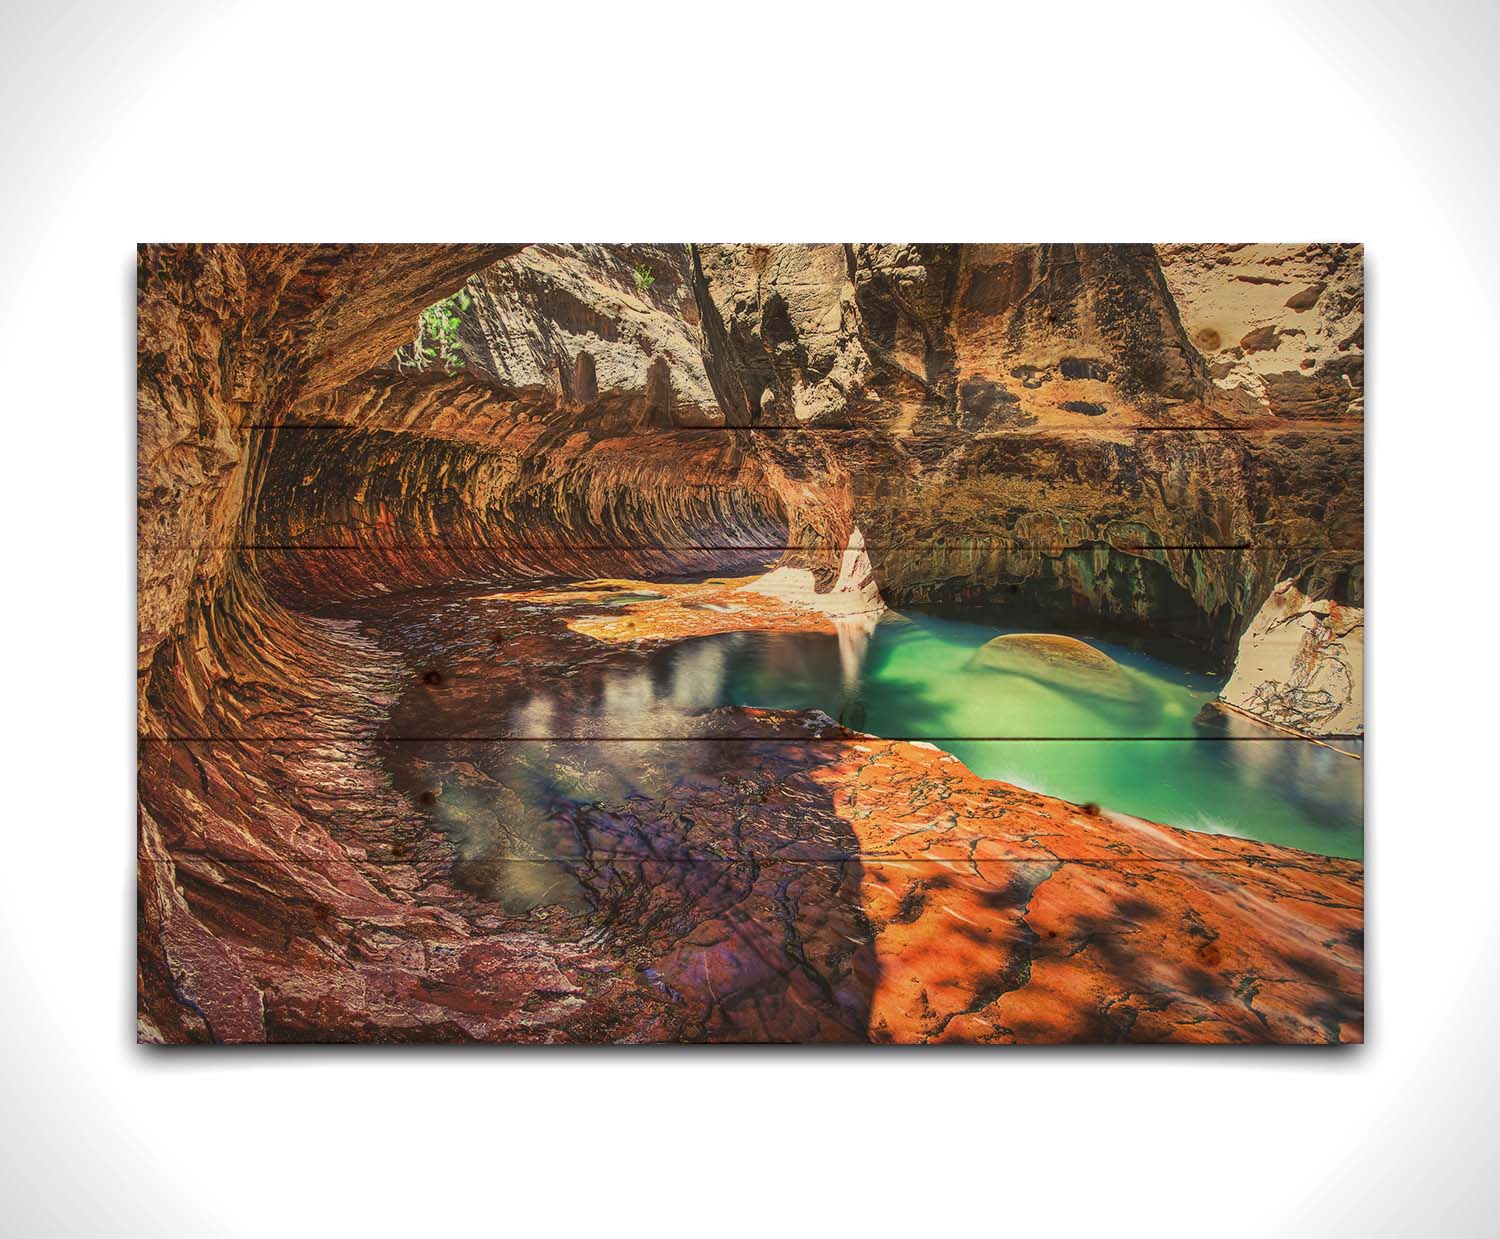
[757,875]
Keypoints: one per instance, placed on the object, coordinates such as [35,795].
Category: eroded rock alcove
[1096,436]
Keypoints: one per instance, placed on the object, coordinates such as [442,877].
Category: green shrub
[437,342]
[643,277]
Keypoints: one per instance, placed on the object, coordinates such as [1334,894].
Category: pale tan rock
[1057,661]
[854,592]
[1301,664]
[570,326]
[791,326]
[1283,324]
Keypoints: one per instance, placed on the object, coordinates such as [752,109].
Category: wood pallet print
[750,643]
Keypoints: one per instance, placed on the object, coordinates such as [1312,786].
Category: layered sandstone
[1035,426]
[229,336]
[1026,426]
[1284,324]
[848,425]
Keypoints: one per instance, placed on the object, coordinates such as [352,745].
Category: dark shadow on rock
[710,868]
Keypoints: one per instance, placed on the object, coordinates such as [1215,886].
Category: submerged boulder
[1062,662]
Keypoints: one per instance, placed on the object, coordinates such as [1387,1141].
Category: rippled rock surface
[345,833]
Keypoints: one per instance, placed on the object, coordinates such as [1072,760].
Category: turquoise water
[912,676]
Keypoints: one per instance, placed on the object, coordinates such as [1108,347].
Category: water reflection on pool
[913,676]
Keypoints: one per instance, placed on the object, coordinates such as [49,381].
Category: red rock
[800,882]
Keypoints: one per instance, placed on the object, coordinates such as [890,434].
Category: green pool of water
[914,676]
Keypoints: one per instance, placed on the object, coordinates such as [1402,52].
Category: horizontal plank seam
[498,547]
[746,739]
[1096,432]
[1298,860]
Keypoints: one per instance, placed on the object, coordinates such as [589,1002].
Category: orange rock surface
[696,609]
[1003,915]
[332,780]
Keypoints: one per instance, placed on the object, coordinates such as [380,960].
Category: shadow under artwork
[771,643]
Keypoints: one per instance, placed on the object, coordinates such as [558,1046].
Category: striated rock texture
[1301,664]
[230,336]
[1045,428]
[1033,426]
[1017,422]
[1025,426]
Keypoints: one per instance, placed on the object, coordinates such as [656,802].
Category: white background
[764,121]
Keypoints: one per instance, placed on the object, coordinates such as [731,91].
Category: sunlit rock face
[1282,324]
[1003,408]
[1037,427]
[1032,427]
[918,338]
[854,591]
[612,330]
[1300,664]
[1049,428]
[1055,659]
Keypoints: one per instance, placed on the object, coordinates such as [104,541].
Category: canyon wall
[229,337]
[1095,435]
[1069,434]
[1090,435]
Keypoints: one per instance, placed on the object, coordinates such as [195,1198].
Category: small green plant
[437,342]
[643,277]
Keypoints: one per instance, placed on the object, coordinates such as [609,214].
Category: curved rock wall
[1026,426]
[1030,426]
[396,510]
[1004,423]
[229,337]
